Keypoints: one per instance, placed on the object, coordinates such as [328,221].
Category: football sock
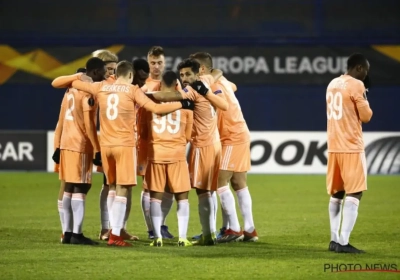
[206,207]
[166,205]
[335,206]
[128,207]
[110,200]
[145,202]
[105,220]
[183,217]
[156,216]
[118,213]
[78,211]
[245,204]
[66,202]
[350,213]
[215,207]
[229,207]
[61,213]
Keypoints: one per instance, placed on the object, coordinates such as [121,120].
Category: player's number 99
[68,113]
[166,122]
[112,103]
[334,104]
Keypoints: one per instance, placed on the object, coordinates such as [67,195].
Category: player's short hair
[123,68]
[356,59]
[169,78]
[94,63]
[106,56]
[141,64]
[81,70]
[204,58]
[156,51]
[188,62]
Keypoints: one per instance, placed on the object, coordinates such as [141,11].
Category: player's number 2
[166,122]
[334,103]
[68,113]
[112,109]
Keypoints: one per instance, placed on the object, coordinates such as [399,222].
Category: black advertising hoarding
[289,65]
[23,150]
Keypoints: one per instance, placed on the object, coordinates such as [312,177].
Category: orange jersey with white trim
[168,135]
[346,101]
[74,136]
[232,126]
[205,130]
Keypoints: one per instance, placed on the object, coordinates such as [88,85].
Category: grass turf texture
[290,213]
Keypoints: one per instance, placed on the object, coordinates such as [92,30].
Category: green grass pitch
[290,213]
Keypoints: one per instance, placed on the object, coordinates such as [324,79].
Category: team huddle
[147,117]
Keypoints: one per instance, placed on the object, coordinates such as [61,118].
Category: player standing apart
[347,108]
[235,160]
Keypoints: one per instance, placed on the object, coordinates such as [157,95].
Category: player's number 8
[334,104]
[112,103]
[161,123]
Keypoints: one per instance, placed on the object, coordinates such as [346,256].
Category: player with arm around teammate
[117,103]
[168,135]
[78,145]
[347,108]
[205,149]
[235,160]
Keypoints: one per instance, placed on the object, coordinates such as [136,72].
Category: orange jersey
[232,127]
[168,135]
[74,136]
[346,106]
[117,110]
[205,131]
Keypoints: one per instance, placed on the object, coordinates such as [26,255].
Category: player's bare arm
[216,74]
[66,81]
[91,130]
[217,101]
[189,126]
[92,88]
[167,96]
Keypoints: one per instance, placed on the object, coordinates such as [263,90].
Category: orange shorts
[76,167]
[204,166]
[56,167]
[346,172]
[119,165]
[175,175]
[142,160]
[236,158]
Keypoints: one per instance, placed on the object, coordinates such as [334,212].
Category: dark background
[235,27]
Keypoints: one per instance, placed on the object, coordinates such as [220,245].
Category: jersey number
[334,103]
[161,123]
[112,103]
[68,113]
[213,111]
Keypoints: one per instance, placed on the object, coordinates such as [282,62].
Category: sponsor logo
[306,152]
[383,156]
[22,150]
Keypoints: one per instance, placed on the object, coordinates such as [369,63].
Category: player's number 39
[112,109]
[161,122]
[334,102]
